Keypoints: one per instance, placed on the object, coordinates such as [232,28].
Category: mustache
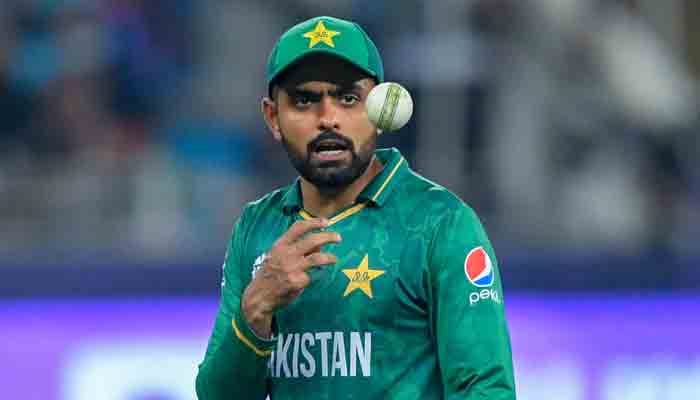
[330,135]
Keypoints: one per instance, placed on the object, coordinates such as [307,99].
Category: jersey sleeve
[467,311]
[235,362]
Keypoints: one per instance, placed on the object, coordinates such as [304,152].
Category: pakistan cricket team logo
[360,277]
[321,35]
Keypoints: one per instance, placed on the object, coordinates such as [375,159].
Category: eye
[302,101]
[349,99]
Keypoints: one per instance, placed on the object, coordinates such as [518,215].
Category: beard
[331,176]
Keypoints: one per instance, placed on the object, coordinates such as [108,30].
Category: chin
[332,181]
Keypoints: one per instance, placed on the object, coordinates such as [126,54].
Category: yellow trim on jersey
[350,211]
[386,182]
[261,353]
[305,214]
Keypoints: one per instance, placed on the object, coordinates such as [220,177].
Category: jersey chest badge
[361,277]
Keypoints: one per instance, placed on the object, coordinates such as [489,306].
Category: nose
[328,115]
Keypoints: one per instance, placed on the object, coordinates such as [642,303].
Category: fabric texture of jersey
[413,309]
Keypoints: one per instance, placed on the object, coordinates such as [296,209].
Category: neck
[325,204]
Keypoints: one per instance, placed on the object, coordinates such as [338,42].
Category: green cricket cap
[334,36]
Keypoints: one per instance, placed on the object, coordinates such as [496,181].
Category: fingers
[299,228]
[313,242]
[319,259]
[286,267]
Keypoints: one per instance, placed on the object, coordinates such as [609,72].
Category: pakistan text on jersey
[325,354]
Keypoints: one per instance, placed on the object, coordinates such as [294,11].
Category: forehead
[321,68]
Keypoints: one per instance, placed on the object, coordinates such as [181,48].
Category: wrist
[258,319]
[261,325]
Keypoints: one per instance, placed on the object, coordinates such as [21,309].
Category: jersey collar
[378,190]
[375,193]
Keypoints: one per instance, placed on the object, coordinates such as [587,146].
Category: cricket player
[361,279]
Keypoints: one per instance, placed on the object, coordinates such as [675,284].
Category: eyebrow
[314,95]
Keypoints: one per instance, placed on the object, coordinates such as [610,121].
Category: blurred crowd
[133,126]
[101,141]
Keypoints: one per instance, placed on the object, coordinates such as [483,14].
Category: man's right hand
[283,274]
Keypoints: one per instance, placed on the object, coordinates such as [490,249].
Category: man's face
[322,123]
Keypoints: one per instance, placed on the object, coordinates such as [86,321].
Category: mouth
[331,150]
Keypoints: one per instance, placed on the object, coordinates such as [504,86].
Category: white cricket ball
[389,106]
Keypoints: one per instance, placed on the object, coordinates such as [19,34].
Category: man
[360,280]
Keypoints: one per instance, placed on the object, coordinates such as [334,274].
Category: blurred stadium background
[130,136]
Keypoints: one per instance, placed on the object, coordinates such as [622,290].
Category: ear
[270,113]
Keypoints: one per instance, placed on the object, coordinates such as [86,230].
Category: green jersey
[413,309]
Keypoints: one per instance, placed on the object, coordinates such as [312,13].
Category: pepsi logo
[478,267]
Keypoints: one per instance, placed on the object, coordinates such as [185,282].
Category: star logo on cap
[361,277]
[321,34]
